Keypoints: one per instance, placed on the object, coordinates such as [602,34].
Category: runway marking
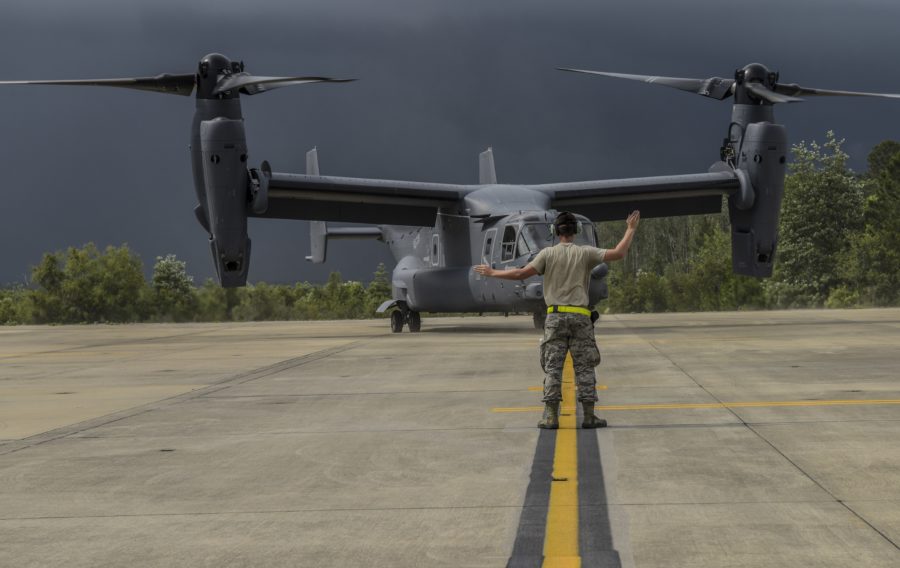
[540,389]
[680,406]
[561,526]
[561,537]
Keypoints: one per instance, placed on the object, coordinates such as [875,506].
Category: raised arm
[621,249]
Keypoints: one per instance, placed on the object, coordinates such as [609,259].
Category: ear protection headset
[564,218]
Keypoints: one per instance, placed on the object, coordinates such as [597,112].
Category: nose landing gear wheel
[397,321]
[540,318]
[414,320]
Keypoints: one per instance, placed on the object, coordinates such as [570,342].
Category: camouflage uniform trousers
[573,333]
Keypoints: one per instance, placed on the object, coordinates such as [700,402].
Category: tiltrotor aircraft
[436,231]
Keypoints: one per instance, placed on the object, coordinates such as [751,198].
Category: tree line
[839,246]
[87,285]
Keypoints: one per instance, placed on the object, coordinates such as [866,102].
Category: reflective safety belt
[569,310]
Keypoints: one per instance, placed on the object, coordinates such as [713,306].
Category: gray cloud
[439,82]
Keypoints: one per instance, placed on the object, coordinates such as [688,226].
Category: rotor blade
[795,89]
[714,87]
[252,84]
[165,83]
[761,91]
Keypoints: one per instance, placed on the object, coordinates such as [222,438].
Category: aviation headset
[565,219]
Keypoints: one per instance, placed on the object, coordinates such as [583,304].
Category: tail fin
[486,172]
[319,233]
[312,162]
[318,239]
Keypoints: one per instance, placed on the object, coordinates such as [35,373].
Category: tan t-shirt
[566,268]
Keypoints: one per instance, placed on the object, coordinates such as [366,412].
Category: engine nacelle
[226,179]
[754,211]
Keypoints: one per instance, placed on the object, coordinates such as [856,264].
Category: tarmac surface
[755,439]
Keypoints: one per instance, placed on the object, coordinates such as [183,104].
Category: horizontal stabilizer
[319,233]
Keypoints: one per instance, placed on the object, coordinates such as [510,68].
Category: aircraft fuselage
[504,226]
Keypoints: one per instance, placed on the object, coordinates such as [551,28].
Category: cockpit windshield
[535,236]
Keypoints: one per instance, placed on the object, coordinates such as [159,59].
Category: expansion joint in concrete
[227,382]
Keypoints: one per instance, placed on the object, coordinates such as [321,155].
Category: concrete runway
[759,439]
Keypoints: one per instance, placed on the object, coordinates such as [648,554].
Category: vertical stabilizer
[318,230]
[318,235]
[312,162]
[486,172]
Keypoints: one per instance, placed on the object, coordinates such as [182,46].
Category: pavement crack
[265,512]
[822,487]
[219,385]
[760,436]
[118,343]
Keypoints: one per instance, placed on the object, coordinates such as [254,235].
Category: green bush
[821,213]
[16,306]
[842,297]
[87,285]
[173,296]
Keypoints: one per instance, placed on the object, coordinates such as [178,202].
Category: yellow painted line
[531,409]
[759,404]
[540,389]
[561,536]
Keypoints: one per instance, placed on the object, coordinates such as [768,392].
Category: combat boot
[550,420]
[591,421]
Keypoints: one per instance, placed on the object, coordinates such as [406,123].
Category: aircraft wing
[358,200]
[664,196]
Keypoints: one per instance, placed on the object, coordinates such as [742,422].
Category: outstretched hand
[633,220]
[484,270]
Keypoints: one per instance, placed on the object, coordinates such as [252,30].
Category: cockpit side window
[508,244]
[537,236]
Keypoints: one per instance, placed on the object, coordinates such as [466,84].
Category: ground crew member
[566,268]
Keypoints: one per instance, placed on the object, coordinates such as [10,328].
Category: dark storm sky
[438,82]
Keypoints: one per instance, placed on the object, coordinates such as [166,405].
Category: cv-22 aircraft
[436,231]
